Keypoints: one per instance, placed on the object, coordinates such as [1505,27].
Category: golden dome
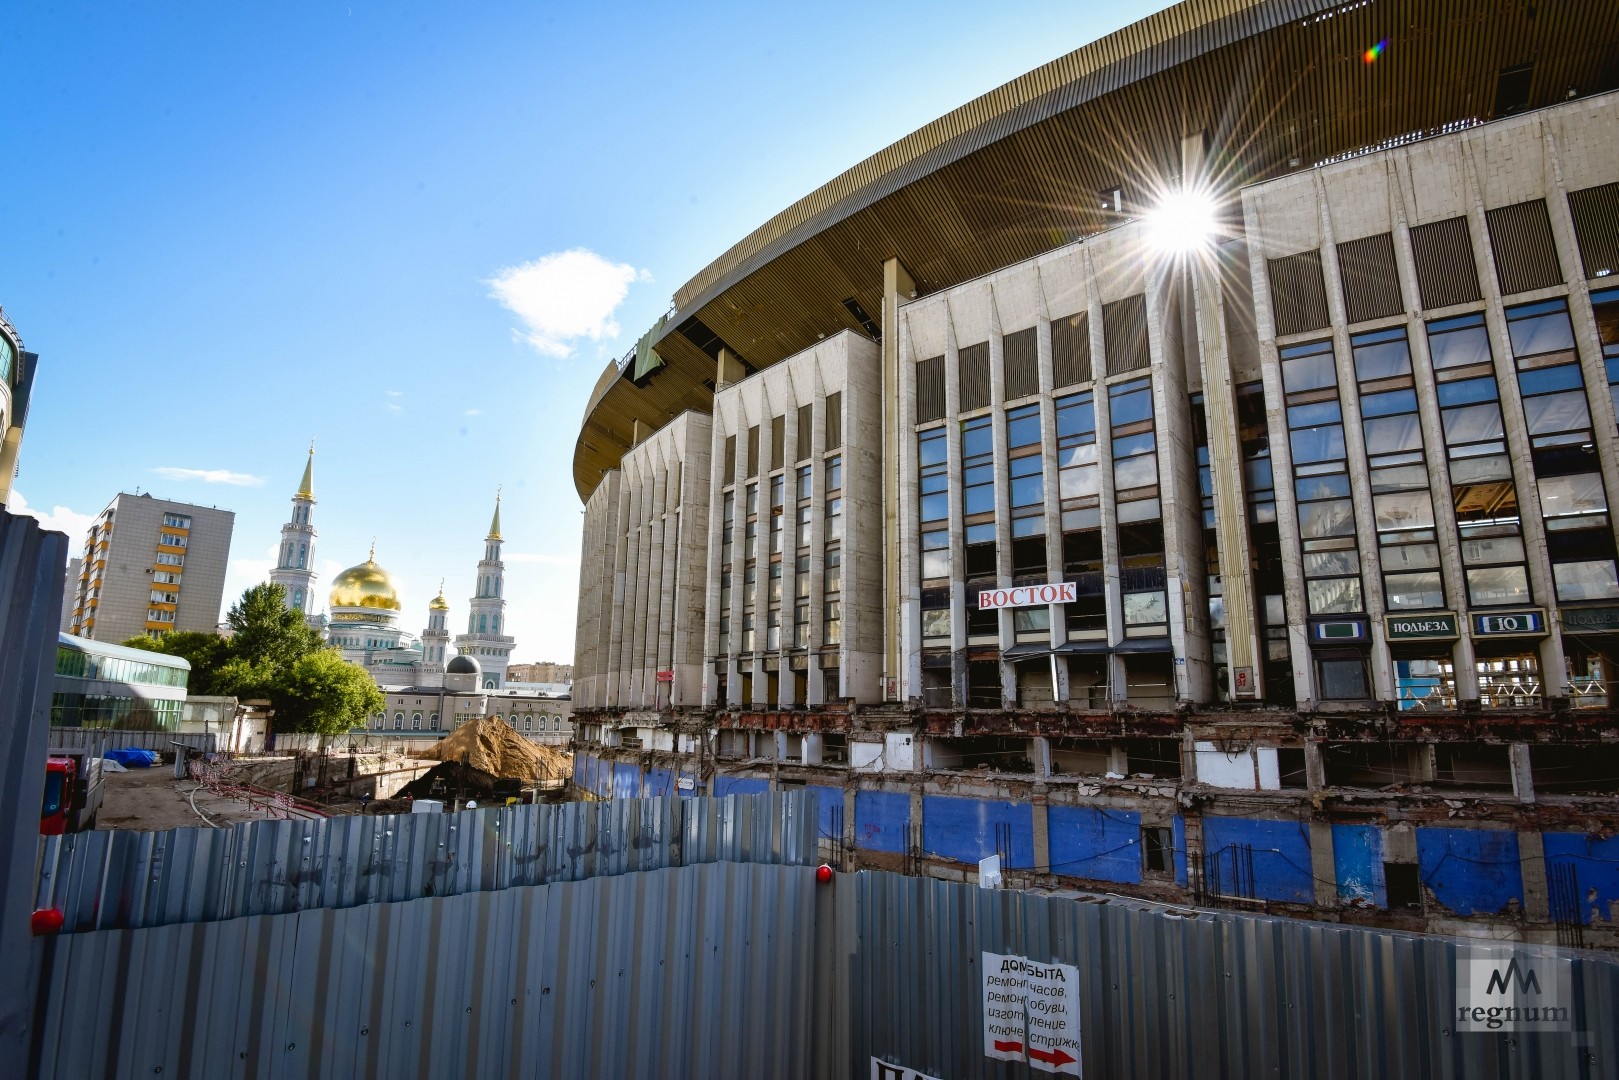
[365,586]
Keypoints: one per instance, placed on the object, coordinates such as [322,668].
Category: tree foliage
[272,653]
[326,694]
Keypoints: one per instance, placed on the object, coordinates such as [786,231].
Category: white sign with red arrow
[1031,1013]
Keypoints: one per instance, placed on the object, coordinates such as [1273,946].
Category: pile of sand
[490,745]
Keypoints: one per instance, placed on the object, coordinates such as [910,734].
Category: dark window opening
[1160,758]
[984,683]
[1029,558]
[1290,766]
[1373,765]
[1157,850]
[1575,770]
[997,752]
[1403,884]
[1481,767]
[1079,757]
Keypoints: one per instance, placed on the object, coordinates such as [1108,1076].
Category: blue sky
[415,232]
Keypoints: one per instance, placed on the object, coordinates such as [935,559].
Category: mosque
[364,616]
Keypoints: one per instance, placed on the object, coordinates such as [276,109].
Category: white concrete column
[1371,561]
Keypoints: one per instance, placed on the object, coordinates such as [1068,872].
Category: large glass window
[1482,487]
[1402,504]
[1573,501]
[1605,306]
[931,458]
[1315,433]
[1142,582]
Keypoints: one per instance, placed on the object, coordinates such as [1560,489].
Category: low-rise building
[99,685]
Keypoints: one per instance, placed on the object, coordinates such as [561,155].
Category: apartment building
[150,566]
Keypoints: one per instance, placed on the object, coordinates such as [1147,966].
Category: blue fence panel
[1094,842]
[882,821]
[626,781]
[739,785]
[1281,852]
[1357,862]
[828,800]
[1180,849]
[963,830]
[1470,871]
[660,782]
[1596,866]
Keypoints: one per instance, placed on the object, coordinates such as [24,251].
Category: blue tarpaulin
[133,757]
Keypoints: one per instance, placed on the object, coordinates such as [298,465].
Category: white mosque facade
[363,620]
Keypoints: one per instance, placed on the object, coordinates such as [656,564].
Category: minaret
[435,641]
[483,638]
[295,563]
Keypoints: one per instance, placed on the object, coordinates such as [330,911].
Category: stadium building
[1183,471]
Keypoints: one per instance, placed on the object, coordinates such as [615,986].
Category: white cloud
[473,412]
[564,297]
[57,519]
[394,393]
[210,476]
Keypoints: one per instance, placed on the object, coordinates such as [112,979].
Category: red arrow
[1056,1057]
[1008,1047]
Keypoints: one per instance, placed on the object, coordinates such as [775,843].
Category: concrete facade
[151,566]
[1275,572]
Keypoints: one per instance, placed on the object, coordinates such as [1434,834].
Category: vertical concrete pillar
[898,287]
[1517,432]
[1532,867]
[1186,575]
[1523,777]
[914,841]
[1040,824]
[812,750]
[728,369]
[1371,559]
[1323,866]
[1040,750]
[848,821]
[1225,467]
[1315,769]
[1433,435]
[1281,452]
[1003,499]
[1104,458]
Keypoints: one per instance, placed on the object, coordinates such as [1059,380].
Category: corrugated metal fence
[116,879]
[749,970]
[1180,994]
[695,972]
[75,738]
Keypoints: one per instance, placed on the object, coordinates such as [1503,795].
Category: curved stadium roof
[1276,85]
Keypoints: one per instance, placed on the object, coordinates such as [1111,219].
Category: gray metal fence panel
[1167,993]
[120,879]
[685,972]
[32,565]
[74,738]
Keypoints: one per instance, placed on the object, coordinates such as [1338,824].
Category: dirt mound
[491,746]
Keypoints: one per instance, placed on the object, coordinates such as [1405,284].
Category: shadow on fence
[122,879]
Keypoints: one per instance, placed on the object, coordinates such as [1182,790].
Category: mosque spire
[494,526]
[306,488]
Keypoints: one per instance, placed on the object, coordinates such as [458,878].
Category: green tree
[326,694]
[265,631]
[206,653]
[273,653]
